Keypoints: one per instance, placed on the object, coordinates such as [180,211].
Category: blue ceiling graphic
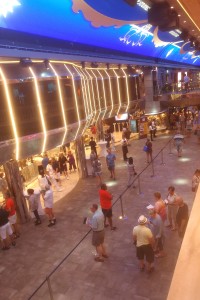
[107,23]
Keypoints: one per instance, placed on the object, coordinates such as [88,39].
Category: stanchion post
[49,287]
[170,147]
[152,169]
[122,209]
[139,186]
[162,162]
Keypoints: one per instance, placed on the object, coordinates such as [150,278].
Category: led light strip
[12,117]
[104,94]
[83,87]
[127,90]
[88,89]
[119,92]
[75,96]
[94,105]
[40,109]
[97,95]
[111,94]
[136,89]
[61,103]
[188,14]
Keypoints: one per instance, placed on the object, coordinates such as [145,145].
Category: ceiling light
[184,21]
[179,15]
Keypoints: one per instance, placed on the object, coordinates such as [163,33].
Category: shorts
[145,251]
[107,212]
[13,219]
[5,229]
[111,168]
[98,238]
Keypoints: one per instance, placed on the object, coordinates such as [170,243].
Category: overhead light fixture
[46,64]
[26,62]
[94,65]
[83,65]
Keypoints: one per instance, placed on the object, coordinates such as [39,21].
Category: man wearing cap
[97,225]
[143,238]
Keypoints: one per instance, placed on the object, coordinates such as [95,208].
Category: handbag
[145,148]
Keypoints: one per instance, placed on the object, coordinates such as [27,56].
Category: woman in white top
[43,180]
[48,204]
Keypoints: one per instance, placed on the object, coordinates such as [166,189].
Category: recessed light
[179,15]
[184,21]
[192,29]
[172,7]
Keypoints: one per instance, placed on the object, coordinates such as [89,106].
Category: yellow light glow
[40,109]
[88,91]
[92,89]
[76,101]
[61,103]
[188,14]
[104,93]
[111,94]
[119,92]
[97,95]
[12,117]
[83,87]
[127,89]
[9,62]
[136,88]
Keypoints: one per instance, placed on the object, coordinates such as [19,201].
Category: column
[15,187]
[151,106]
[81,158]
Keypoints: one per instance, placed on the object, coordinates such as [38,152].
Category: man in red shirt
[106,205]
[10,207]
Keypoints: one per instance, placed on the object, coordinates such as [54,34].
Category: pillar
[151,106]
[15,187]
[80,157]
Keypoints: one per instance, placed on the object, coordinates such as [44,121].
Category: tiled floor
[40,249]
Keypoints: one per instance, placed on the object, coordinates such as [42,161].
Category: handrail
[119,197]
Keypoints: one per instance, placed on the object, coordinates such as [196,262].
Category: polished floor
[40,249]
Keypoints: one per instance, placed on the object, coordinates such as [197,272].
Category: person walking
[110,161]
[48,204]
[144,241]
[106,205]
[51,173]
[171,208]
[149,150]
[93,145]
[151,131]
[131,171]
[33,200]
[98,233]
[97,168]
[71,161]
[62,160]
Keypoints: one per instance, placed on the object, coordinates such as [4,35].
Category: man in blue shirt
[110,161]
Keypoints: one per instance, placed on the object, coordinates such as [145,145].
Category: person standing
[3,184]
[33,200]
[149,150]
[151,131]
[160,206]
[154,128]
[97,171]
[45,161]
[62,160]
[144,241]
[5,229]
[182,216]
[98,235]
[10,207]
[48,204]
[51,173]
[93,145]
[178,142]
[171,207]
[195,180]
[186,80]
[131,171]
[106,205]
[110,161]
[124,149]
[71,161]
[156,226]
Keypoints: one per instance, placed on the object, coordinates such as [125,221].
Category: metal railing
[123,216]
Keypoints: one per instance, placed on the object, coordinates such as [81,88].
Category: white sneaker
[59,190]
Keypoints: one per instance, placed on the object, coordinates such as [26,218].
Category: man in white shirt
[48,204]
[51,173]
